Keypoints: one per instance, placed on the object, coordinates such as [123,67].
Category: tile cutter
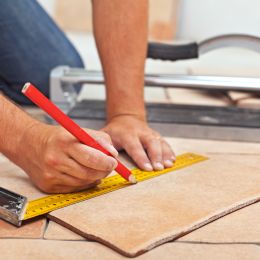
[225,123]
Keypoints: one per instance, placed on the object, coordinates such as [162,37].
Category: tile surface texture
[34,229]
[57,232]
[15,179]
[233,228]
[195,97]
[242,226]
[164,208]
[181,145]
[51,250]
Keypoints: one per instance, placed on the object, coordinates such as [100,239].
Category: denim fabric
[31,45]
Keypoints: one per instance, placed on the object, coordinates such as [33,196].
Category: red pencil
[53,111]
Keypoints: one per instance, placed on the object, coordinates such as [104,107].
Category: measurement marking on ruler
[52,202]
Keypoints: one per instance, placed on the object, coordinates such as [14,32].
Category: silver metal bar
[231,40]
[177,81]
[12,206]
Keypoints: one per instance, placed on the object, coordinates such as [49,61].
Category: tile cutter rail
[225,123]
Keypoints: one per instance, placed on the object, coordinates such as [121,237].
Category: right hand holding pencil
[58,163]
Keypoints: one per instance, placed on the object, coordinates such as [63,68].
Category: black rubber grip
[163,51]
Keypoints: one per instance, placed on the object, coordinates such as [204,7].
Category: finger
[109,147]
[92,158]
[67,189]
[168,155]
[105,141]
[73,168]
[154,150]
[70,181]
[136,151]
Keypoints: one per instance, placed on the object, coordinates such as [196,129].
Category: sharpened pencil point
[132,179]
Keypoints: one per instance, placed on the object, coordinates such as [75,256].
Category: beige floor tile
[195,97]
[233,228]
[57,232]
[253,102]
[28,249]
[34,229]
[2,159]
[182,145]
[161,209]
[245,100]
[236,95]
[15,179]
[242,226]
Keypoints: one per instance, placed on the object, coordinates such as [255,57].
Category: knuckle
[132,147]
[51,159]
[46,187]
[48,178]
[94,160]
[62,138]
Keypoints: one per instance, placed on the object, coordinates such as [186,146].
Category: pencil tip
[132,179]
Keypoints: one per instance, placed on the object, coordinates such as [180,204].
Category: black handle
[163,51]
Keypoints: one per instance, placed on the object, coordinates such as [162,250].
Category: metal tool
[12,206]
[49,203]
[65,83]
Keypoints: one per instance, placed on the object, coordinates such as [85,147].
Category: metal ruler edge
[50,203]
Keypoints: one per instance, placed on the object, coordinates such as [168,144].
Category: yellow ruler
[50,203]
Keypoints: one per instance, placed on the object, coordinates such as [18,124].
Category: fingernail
[168,163]
[148,167]
[173,158]
[158,166]
[113,150]
[115,164]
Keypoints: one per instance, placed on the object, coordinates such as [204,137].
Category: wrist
[31,142]
[139,117]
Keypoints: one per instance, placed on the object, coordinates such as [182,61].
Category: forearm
[120,29]
[14,124]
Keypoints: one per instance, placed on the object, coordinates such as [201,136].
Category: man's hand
[145,146]
[57,162]
[121,33]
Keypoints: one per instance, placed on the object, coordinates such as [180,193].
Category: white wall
[200,19]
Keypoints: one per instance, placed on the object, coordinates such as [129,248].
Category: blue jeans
[31,45]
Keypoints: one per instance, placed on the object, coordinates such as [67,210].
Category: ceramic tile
[181,145]
[233,228]
[242,226]
[57,232]
[15,179]
[34,229]
[196,97]
[30,249]
[253,102]
[164,208]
